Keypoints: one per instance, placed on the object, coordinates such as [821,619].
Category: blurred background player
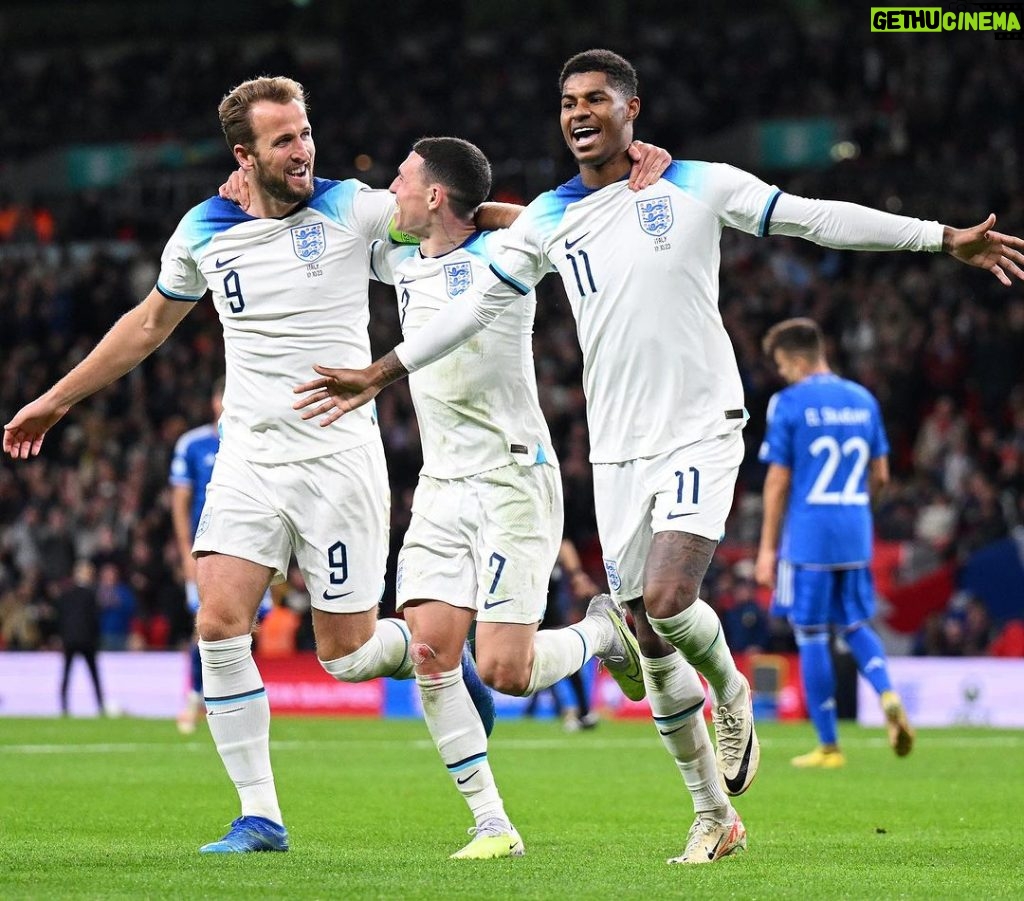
[827,454]
[191,468]
[78,626]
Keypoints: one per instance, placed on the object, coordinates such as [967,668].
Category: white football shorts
[487,542]
[332,513]
[685,490]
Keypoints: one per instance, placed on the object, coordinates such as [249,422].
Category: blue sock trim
[466,763]
[696,661]
[679,717]
[234,699]
[405,656]
[586,651]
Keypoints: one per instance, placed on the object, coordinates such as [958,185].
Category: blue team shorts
[818,597]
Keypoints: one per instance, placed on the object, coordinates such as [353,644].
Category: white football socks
[455,726]
[238,714]
[558,653]
[697,634]
[676,697]
[385,654]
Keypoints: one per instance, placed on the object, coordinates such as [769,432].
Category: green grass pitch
[117,809]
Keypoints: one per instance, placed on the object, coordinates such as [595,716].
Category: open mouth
[300,173]
[584,136]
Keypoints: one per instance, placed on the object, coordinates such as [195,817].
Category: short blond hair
[235,108]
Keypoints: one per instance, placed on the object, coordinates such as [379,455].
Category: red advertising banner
[298,684]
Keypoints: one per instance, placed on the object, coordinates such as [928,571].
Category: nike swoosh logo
[463,781]
[220,264]
[334,597]
[670,731]
[713,851]
[569,245]
[734,785]
[218,712]
[406,281]
[489,604]
[681,515]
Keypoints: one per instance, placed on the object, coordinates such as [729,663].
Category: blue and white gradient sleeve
[180,278]
[372,212]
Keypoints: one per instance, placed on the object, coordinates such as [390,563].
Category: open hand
[338,392]
[23,435]
[980,246]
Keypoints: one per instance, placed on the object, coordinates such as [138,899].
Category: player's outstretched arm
[980,246]
[133,338]
[340,391]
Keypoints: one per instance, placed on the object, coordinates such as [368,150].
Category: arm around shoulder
[493,215]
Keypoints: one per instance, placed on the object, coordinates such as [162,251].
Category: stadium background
[108,133]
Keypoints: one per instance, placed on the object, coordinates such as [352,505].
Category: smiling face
[283,152]
[597,121]
[412,195]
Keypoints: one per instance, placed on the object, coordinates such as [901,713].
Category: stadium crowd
[941,348]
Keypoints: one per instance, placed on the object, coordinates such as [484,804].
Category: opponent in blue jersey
[191,468]
[826,452]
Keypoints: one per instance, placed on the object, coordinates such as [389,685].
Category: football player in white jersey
[289,280]
[664,397]
[487,515]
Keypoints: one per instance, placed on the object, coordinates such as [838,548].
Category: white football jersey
[290,292]
[641,273]
[477,407]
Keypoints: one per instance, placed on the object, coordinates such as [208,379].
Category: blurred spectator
[19,617]
[980,519]
[277,631]
[569,590]
[744,619]
[977,629]
[296,597]
[942,429]
[117,608]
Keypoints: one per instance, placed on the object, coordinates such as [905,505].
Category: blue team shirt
[825,430]
[192,465]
